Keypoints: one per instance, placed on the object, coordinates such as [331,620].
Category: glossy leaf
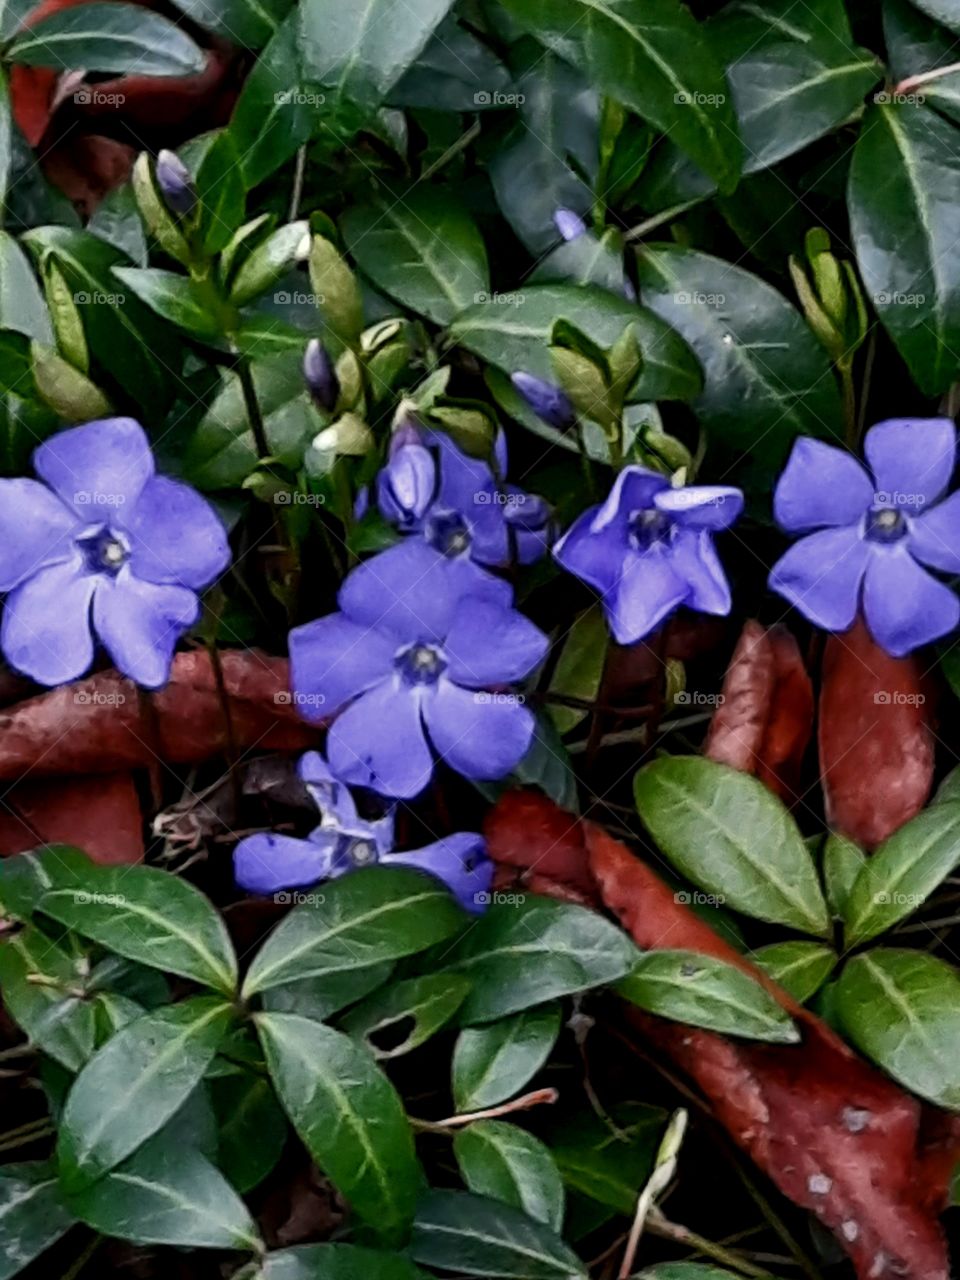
[398,1019]
[108,37]
[174,298]
[706,992]
[579,667]
[252,1128]
[733,838]
[506,1163]
[916,45]
[337,1262]
[609,1160]
[455,72]
[493,1062]
[274,114]
[246,22]
[22,305]
[32,1214]
[221,192]
[843,861]
[801,968]
[902,1009]
[43,992]
[365,918]
[327,994]
[134,1084]
[519,955]
[349,1117]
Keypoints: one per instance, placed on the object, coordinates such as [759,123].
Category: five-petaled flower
[649,549]
[266,862]
[869,535]
[103,546]
[410,664]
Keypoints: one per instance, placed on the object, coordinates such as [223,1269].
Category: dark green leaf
[22,306]
[455,72]
[842,863]
[134,1084]
[174,298]
[401,1017]
[493,1062]
[327,994]
[370,916]
[108,37]
[147,915]
[43,992]
[609,1161]
[274,115]
[905,222]
[801,968]
[586,260]
[705,992]
[476,1236]
[507,1163]
[685,1271]
[902,1009]
[32,1214]
[916,45]
[337,1262]
[268,262]
[221,191]
[253,1128]
[580,666]
[524,953]
[733,838]
[349,1117]
[246,22]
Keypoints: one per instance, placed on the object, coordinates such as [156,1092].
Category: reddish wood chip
[99,814]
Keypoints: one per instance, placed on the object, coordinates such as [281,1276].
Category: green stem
[849,391]
[25,1139]
[80,1262]
[658,1225]
[252,405]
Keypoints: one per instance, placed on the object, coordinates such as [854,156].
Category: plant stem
[252,405]
[80,1262]
[849,391]
[524,1103]
[296,194]
[658,219]
[659,1225]
[25,1139]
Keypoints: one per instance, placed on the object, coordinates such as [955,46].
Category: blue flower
[874,533]
[265,863]
[103,547]
[431,488]
[414,665]
[569,224]
[551,404]
[176,184]
[649,549]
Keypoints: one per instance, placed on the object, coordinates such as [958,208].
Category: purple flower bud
[569,224]
[176,184]
[320,375]
[405,433]
[546,400]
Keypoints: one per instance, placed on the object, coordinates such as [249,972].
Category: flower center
[361,852]
[886,524]
[449,533]
[648,527]
[105,552]
[421,664]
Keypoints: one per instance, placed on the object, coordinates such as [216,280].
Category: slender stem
[867,378]
[665,215]
[537,1098]
[233,751]
[454,149]
[851,424]
[925,77]
[252,405]
[25,1139]
[658,1225]
[296,195]
[80,1262]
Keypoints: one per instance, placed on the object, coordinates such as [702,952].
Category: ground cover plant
[479,535]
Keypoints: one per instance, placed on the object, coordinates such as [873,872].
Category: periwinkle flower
[267,862]
[551,404]
[320,375]
[869,534]
[176,184]
[410,667]
[569,224]
[648,549]
[103,547]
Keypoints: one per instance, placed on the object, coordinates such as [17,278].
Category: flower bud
[569,224]
[176,184]
[546,400]
[320,375]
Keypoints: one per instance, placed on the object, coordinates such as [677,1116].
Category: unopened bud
[547,401]
[569,224]
[176,184]
[320,375]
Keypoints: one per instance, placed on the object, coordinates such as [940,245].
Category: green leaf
[476,1236]
[268,263]
[905,222]
[22,306]
[423,250]
[515,335]
[247,22]
[175,298]
[67,391]
[337,1262]
[395,1021]
[945,11]
[32,1214]
[327,994]
[348,1115]
[801,968]
[493,1062]
[902,1009]
[167,1193]
[586,260]
[221,191]
[377,914]
[359,55]
[253,1128]
[37,977]
[903,872]
[705,992]
[523,954]
[733,838]
[146,915]
[842,863]
[274,115]
[134,1084]
[108,37]
[609,1162]
[766,378]
[652,56]
[506,1163]
[685,1271]
[915,45]
[580,665]
[455,72]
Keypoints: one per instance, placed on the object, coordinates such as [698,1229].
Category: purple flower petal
[694,558]
[468,486]
[332,660]
[265,863]
[820,485]
[139,624]
[175,535]
[488,645]
[701,506]
[46,623]
[569,224]
[821,575]
[36,530]
[481,735]
[411,590]
[593,556]
[912,460]
[934,535]
[378,742]
[904,605]
[460,861]
[648,590]
[406,485]
[331,796]
[97,469]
